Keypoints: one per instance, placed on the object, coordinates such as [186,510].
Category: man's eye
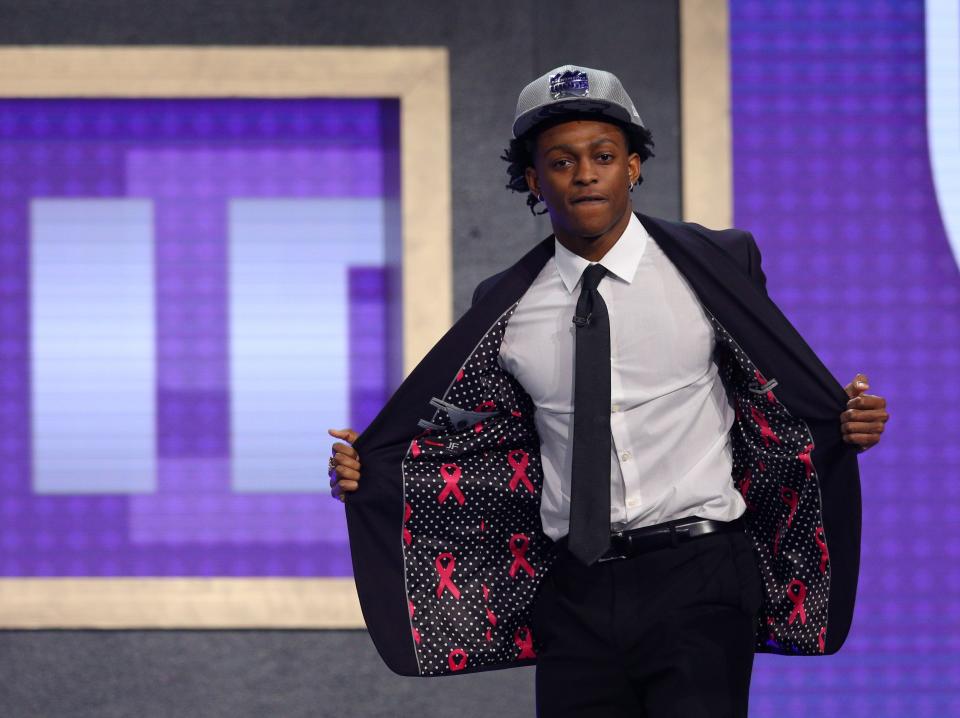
[560,163]
[605,157]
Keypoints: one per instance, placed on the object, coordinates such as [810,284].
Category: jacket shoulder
[739,244]
[735,242]
[485,285]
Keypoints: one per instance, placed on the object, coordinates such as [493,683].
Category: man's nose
[586,173]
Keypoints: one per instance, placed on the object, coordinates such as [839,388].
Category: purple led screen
[196,179]
[832,175]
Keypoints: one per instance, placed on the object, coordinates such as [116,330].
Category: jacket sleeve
[753,267]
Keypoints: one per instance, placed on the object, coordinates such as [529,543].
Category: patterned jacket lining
[773,470]
[474,550]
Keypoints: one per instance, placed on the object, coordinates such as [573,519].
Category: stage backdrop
[840,109]
[841,127]
[493,50]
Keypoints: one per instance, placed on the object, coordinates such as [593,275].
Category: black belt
[626,544]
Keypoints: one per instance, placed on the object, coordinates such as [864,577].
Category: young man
[609,484]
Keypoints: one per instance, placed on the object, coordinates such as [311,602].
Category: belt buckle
[616,538]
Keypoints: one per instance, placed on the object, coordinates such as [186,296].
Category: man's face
[583,169]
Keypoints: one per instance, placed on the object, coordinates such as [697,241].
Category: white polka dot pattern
[476,551]
[774,472]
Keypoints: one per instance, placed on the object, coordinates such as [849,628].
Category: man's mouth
[589,198]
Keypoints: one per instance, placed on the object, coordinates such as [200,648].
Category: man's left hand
[863,421]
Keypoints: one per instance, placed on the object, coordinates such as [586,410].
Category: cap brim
[582,106]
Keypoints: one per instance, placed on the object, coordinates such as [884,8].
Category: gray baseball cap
[573,89]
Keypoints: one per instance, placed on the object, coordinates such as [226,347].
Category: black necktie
[589,534]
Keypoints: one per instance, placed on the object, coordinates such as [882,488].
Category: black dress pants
[669,632]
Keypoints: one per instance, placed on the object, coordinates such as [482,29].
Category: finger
[345,449]
[344,460]
[352,460]
[345,434]
[858,385]
[867,401]
[862,427]
[342,472]
[336,477]
[348,485]
[864,415]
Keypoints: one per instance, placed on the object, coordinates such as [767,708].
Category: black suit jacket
[445,530]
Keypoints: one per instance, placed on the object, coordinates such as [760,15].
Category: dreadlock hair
[519,155]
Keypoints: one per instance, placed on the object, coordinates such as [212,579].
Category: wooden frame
[418,77]
[706,135]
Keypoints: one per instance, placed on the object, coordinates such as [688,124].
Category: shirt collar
[621,260]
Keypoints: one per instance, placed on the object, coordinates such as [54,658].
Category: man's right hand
[345,474]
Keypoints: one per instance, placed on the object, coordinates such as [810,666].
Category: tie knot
[592,276]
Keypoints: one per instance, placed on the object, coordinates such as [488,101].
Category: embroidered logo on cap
[569,83]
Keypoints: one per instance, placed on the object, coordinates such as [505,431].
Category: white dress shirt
[669,415]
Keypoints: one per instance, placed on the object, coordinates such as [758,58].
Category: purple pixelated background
[189,157]
[832,175]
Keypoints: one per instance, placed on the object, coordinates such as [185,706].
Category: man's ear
[530,174]
[633,167]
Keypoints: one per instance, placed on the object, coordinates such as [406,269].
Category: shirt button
[625,456]
[631,503]
[615,408]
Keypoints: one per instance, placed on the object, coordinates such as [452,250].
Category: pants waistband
[626,544]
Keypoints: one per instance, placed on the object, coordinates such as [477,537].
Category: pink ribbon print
[804,457]
[766,433]
[822,543]
[523,638]
[519,460]
[519,543]
[483,406]
[451,478]
[445,564]
[791,499]
[491,616]
[797,592]
[407,512]
[416,633]
[457,660]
